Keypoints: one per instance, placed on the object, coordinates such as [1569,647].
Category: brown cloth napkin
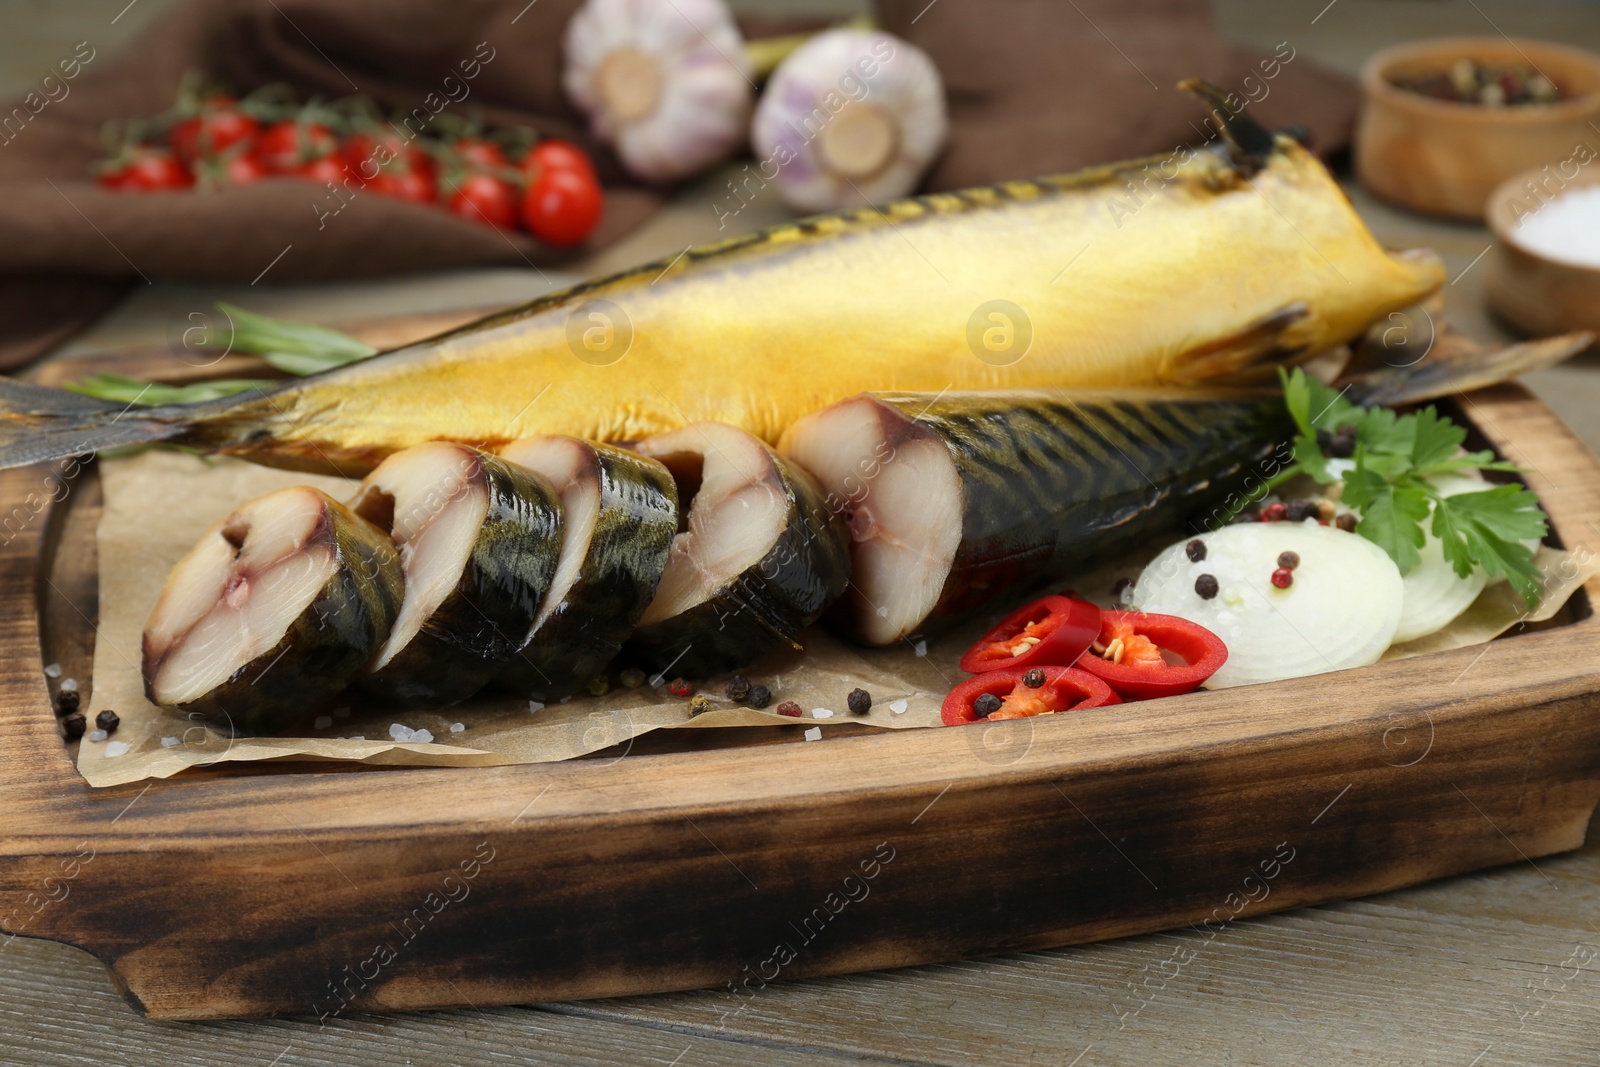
[1035,86]
[1044,86]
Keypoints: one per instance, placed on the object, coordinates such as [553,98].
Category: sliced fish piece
[619,516]
[954,499]
[479,539]
[273,611]
[757,558]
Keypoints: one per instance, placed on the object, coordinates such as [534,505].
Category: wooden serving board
[311,890]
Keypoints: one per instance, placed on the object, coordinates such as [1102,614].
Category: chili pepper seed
[1206,586]
[108,721]
[859,701]
[789,708]
[1195,550]
[1283,577]
[738,688]
[760,696]
[1033,679]
[986,705]
[1289,560]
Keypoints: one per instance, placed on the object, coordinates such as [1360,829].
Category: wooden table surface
[1501,967]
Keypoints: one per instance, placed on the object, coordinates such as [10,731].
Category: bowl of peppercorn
[1445,121]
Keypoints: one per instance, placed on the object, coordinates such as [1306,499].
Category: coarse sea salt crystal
[898,706]
[1566,229]
[457,727]
[814,734]
[920,648]
[52,670]
[322,722]
[97,735]
[170,742]
[533,706]
[399,731]
[117,748]
[422,737]
[821,713]
[69,685]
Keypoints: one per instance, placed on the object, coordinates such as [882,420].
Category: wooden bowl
[1444,158]
[1531,291]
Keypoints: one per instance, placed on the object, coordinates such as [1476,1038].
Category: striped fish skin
[765,606]
[481,622]
[1044,483]
[324,648]
[622,564]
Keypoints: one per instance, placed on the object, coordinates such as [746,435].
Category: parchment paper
[157,503]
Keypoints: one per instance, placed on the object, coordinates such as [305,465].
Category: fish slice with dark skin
[479,540]
[758,556]
[619,516]
[273,611]
[953,500]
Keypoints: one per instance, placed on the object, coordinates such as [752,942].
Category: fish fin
[38,423]
[1251,141]
[1385,369]
[1279,339]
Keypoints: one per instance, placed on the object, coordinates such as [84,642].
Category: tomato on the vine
[477,152]
[327,169]
[562,207]
[553,155]
[213,130]
[286,146]
[369,153]
[486,199]
[406,183]
[144,168]
[237,168]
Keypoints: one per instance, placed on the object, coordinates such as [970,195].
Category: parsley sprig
[1395,458]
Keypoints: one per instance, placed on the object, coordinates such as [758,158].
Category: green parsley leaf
[1392,513]
[1435,440]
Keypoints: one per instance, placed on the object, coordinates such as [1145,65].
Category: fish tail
[1248,137]
[38,424]
[1454,363]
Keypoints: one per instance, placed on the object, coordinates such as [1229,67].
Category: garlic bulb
[852,114]
[666,84]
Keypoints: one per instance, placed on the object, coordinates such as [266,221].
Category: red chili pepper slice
[1055,629]
[1137,670]
[1064,689]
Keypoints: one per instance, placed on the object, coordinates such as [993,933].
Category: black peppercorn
[738,688]
[986,705]
[1206,586]
[1195,550]
[1299,510]
[1346,522]
[760,696]
[1033,679]
[859,701]
[1324,440]
[108,721]
[67,701]
[1289,560]
[73,725]
[1343,444]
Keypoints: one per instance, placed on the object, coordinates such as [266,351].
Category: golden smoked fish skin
[1209,266]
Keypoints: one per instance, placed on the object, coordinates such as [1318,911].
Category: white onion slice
[1340,612]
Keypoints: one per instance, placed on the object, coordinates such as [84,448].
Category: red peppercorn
[789,708]
[1274,511]
[678,687]
[1283,577]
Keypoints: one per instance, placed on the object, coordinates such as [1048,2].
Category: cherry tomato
[1060,689]
[1051,631]
[147,169]
[1141,672]
[368,153]
[215,129]
[243,169]
[285,147]
[485,199]
[562,207]
[555,155]
[417,186]
[476,152]
[327,169]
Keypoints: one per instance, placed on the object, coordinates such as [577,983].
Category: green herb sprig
[1395,458]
